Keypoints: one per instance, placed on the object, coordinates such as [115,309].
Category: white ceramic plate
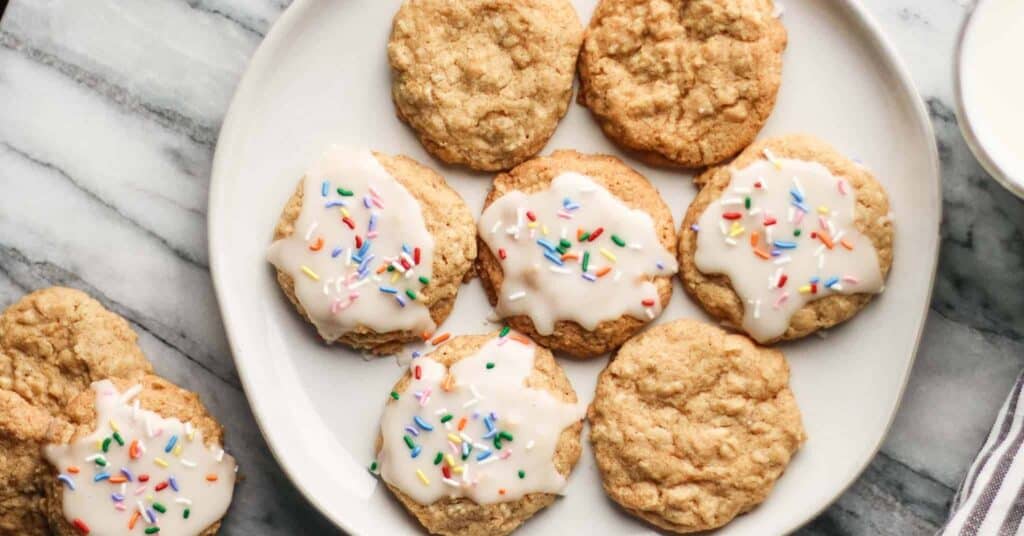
[321,76]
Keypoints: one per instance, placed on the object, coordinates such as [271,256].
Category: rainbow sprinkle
[364,264]
[473,436]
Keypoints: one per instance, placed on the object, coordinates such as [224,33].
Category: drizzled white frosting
[555,269]
[136,463]
[796,241]
[496,438]
[357,222]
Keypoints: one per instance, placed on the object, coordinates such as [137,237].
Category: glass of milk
[990,88]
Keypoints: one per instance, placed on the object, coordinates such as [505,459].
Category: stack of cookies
[691,423]
[91,441]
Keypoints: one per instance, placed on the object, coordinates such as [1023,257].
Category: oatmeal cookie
[628,187]
[447,220]
[56,341]
[817,305]
[166,400]
[692,426]
[462,515]
[483,82]
[683,82]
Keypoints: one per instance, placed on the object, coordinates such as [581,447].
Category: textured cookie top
[689,82]
[596,244]
[23,429]
[55,342]
[480,434]
[691,426]
[812,248]
[484,82]
[125,438]
[376,248]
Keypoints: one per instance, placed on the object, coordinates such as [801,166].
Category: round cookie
[55,342]
[483,82]
[157,395]
[462,516]
[715,292]
[682,82]
[691,426]
[448,221]
[23,430]
[625,184]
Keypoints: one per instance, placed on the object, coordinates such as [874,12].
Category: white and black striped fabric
[990,500]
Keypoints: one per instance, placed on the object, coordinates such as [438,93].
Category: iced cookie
[684,82]
[138,456]
[479,435]
[577,251]
[692,426]
[483,82]
[789,238]
[372,248]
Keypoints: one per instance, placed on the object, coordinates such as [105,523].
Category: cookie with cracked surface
[682,82]
[107,414]
[483,82]
[56,341]
[819,231]
[691,426]
[519,448]
[606,284]
[446,221]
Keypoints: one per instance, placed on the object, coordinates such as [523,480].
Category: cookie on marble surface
[402,249]
[790,238]
[133,432]
[56,341]
[576,251]
[483,82]
[682,82]
[23,430]
[511,412]
[691,426]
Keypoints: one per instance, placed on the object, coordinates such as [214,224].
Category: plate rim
[282,28]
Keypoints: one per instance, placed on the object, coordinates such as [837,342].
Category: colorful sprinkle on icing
[480,417]
[123,450]
[798,250]
[578,229]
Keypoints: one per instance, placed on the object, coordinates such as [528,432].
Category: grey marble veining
[109,113]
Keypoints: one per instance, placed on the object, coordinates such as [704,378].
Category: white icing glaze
[134,479]
[339,288]
[828,256]
[534,419]
[548,286]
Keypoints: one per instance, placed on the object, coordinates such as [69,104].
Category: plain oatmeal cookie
[691,426]
[484,82]
[684,82]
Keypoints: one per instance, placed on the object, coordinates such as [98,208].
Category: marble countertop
[109,117]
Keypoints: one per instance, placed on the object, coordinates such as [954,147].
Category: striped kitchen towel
[990,500]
